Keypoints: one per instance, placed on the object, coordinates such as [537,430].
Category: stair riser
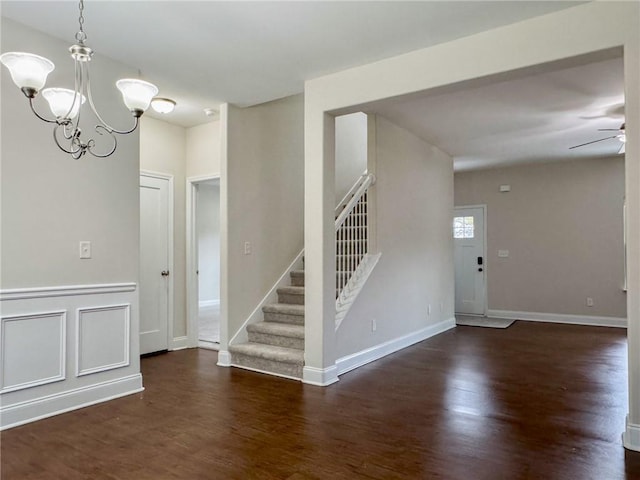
[288,369]
[291,299]
[284,318]
[297,281]
[277,340]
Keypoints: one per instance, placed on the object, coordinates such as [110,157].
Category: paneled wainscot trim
[22,367]
[64,291]
[65,347]
[97,326]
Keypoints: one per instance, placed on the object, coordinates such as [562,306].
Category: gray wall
[264,201]
[562,224]
[415,206]
[351,151]
[162,150]
[208,224]
[49,201]
[203,149]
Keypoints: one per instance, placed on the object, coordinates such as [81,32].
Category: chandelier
[29,72]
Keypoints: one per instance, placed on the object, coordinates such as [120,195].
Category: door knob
[164,273]
[480,269]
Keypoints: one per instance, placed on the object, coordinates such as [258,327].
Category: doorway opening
[204,262]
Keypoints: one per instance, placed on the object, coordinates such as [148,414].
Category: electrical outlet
[247,248]
[85,249]
[589,302]
[374,326]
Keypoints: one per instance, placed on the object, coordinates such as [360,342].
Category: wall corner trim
[322,377]
[224,358]
[358,359]
[590,320]
[631,436]
[55,404]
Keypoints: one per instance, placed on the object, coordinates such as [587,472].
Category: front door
[154,263]
[469,261]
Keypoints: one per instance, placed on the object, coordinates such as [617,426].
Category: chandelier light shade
[136,94]
[163,105]
[29,72]
[64,103]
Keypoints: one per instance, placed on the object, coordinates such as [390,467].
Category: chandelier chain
[81,36]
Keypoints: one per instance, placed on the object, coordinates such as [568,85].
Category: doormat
[469,321]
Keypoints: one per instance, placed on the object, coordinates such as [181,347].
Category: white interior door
[469,260]
[154,264]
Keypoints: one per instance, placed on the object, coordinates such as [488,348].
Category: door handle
[165,273]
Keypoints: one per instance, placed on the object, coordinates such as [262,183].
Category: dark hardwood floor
[534,401]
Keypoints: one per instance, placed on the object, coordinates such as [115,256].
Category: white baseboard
[55,404]
[179,343]
[560,318]
[631,436]
[208,303]
[321,377]
[358,359]
[224,358]
[208,345]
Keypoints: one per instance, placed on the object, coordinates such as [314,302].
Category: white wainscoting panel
[65,347]
[33,350]
[103,338]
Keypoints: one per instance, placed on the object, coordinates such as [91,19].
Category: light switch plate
[85,249]
[503,253]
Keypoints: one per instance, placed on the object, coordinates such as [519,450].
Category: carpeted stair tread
[285,308]
[275,328]
[291,290]
[269,352]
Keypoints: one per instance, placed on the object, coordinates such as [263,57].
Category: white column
[632,179]
[319,244]
[224,358]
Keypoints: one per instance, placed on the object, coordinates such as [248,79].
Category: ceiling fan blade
[595,141]
[621,149]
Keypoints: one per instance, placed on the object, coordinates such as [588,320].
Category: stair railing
[352,234]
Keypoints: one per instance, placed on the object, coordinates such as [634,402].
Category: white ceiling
[204,53]
[531,119]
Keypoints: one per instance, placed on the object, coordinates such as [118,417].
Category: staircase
[276,345]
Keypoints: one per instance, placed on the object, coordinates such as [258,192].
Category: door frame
[172,343]
[483,206]
[192,258]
